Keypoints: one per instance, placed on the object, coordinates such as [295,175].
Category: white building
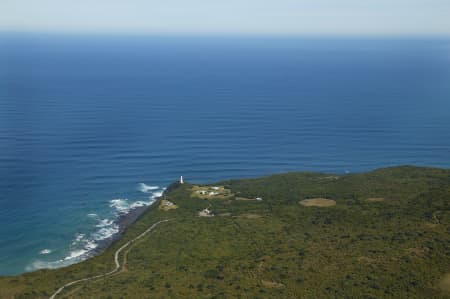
[205,213]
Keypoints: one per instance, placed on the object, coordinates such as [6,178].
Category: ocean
[92,125]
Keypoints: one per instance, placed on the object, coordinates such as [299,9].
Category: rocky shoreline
[123,222]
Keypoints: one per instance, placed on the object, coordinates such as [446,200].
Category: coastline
[123,221]
[127,213]
[398,201]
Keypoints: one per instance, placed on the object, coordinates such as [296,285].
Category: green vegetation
[210,192]
[388,236]
[167,205]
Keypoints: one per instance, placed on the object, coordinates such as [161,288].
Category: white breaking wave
[90,245]
[121,205]
[75,254]
[78,238]
[105,232]
[138,204]
[104,222]
[82,245]
[73,257]
[146,188]
[45,251]
[157,194]
[124,206]
[36,265]
[107,229]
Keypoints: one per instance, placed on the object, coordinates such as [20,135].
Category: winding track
[116,260]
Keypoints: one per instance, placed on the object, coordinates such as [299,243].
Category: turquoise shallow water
[85,121]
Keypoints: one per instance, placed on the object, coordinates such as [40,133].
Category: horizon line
[229,34]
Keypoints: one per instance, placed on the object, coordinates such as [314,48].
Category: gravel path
[116,260]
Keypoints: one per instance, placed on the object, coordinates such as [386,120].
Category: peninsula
[380,234]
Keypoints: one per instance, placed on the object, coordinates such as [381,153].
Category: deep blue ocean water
[87,120]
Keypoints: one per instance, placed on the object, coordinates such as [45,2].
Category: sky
[260,17]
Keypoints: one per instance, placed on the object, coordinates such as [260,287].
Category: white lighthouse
[181,180]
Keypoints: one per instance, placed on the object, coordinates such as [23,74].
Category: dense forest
[385,235]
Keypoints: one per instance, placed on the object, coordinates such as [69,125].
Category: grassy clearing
[444,284]
[246,199]
[167,205]
[211,192]
[375,199]
[272,284]
[318,202]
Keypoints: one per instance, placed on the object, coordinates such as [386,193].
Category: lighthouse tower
[181,180]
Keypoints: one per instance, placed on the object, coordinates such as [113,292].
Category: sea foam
[83,244]
[120,205]
[146,188]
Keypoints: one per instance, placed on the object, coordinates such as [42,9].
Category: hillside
[381,234]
